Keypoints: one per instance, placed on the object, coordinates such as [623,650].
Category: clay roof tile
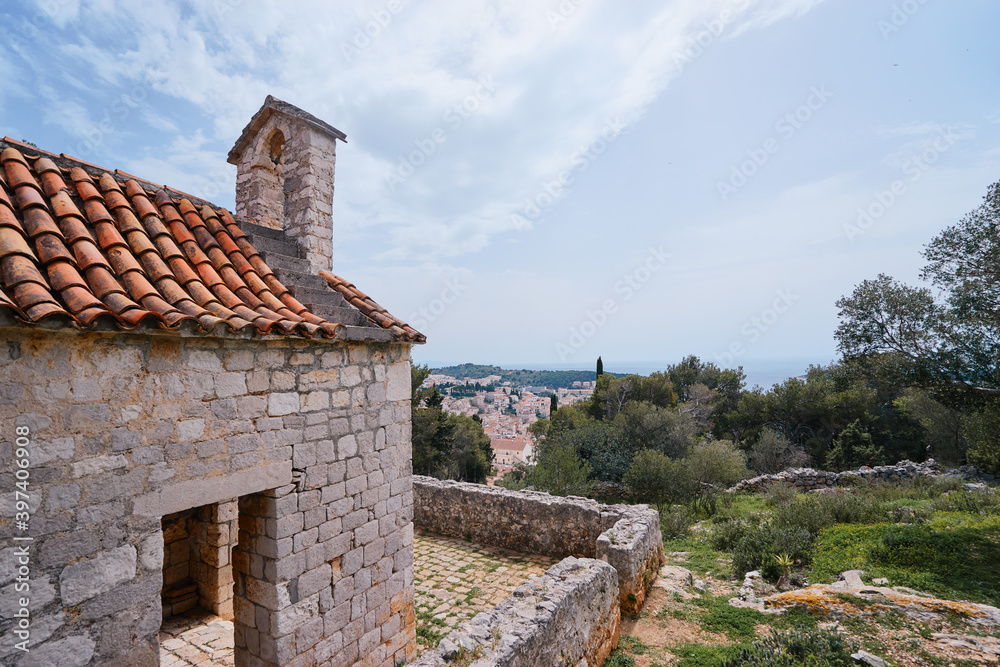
[100,247]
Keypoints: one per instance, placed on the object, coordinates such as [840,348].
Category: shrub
[649,476]
[736,622]
[675,523]
[559,471]
[619,659]
[780,494]
[725,536]
[975,502]
[814,512]
[758,547]
[716,462]
[710,501]
[799,646]
[768,454]
[854,448]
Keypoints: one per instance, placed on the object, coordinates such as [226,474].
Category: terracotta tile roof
[372,310]
[89,248]
[516,445]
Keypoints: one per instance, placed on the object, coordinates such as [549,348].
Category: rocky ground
[685,615]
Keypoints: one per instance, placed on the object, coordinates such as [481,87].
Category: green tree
[648,426]
[553,404]
[417,376]
[982,430]
[649,477]
[445,446]
[770,452]
[948,339]
[943,429]
[559,471]
[951,343]
[471,457]
[854,448]
[600,367]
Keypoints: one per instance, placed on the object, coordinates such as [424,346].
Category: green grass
[619,659]
[954,555]
[722,618]
[632,644]
[703,655]
[701,558]
[430,636]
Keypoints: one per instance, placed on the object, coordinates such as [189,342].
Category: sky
[539,182]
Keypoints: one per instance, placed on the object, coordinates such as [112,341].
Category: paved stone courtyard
[454,579]
[196,638]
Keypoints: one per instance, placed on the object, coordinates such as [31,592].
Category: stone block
[83,580]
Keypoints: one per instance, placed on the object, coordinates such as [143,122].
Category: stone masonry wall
[527,521]
[626,536]
[634,547]
[569,616]
[294,190]
[312,438]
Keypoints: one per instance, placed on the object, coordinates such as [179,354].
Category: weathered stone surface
[85,579]
[539,523]
[129,427]
[569,616]
[521,520]
[73,651]
[634,547]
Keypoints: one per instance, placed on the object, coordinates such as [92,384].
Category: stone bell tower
[285,162]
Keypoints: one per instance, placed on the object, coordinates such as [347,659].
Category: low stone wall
[568,616]
[625,536]
[808,479]
[527,521]
[634,547]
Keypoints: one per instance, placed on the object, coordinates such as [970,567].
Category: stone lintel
[210,490]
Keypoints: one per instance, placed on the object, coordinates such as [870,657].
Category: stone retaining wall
[626,536]
[569,616]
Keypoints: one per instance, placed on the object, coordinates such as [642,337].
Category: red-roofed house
[508,452]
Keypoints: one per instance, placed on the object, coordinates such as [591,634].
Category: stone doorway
[197,592]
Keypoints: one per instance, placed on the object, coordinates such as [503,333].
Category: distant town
[506,406]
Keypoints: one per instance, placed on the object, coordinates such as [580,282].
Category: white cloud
[557,88]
